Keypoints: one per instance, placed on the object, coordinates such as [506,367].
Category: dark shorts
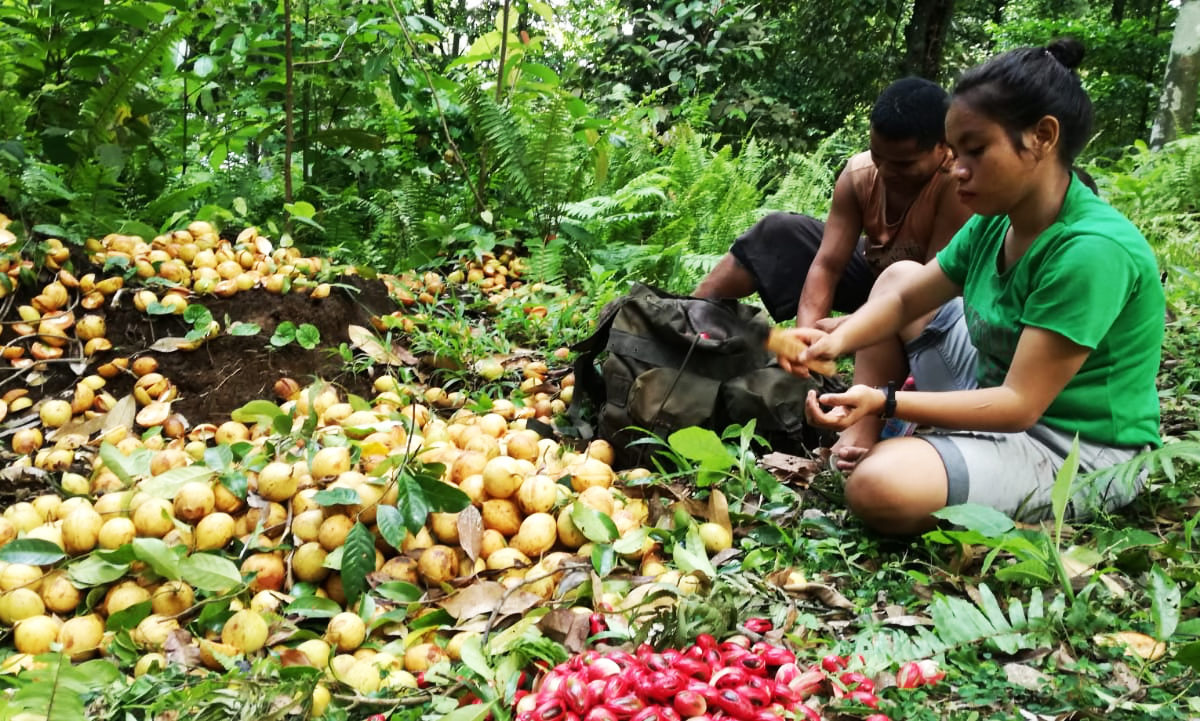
[778,251]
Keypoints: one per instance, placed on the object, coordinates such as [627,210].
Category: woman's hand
[848,408]
[794,346]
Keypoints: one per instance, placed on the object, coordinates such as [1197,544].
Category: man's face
[902,164]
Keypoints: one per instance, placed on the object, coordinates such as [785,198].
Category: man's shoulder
[860,163]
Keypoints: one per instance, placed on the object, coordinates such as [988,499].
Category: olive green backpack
[669,362]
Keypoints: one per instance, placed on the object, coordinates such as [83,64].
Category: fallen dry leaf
[1137,644]
[1019,674]
[789,465]
[718,510]
[181,650]
[488,597]
[470,531]
[567,627]
[122,413]
[170,344]
[368,342]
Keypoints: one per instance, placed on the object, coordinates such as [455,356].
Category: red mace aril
[734,704]
[930,673]
[625,706]
[877,717]
[693,668]
[754,665]
[666,713]
[729,677]
[576,693]
[809,682]
[758,625]
[808,712]
[689,703]
[551,710]
[866,698]
[833,663]
[757,697]
[597,624]
[767,715]
[777,656]
[650,713]
[617,686]
[600,713]
[909,675]
[706,640]
[855,680]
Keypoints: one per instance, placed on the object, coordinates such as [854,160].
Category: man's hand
[848,408]
[793,348]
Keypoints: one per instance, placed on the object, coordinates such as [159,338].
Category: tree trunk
[289,102]
[1177,104]
[925,36]
[1118,12]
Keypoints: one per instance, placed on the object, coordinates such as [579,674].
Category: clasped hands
[837,411]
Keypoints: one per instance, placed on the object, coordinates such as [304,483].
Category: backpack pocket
[668,398]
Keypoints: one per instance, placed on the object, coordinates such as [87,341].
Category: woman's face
[993,175]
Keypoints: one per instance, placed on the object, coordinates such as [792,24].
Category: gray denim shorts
[1011,472]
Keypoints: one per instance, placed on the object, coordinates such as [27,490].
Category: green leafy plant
[305,335]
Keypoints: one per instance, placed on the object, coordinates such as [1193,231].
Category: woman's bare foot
[854,443]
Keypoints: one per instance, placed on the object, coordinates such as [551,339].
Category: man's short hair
[912,108]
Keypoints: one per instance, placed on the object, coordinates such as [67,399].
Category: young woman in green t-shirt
[1041,322]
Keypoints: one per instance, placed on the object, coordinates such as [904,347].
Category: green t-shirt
[1090,277]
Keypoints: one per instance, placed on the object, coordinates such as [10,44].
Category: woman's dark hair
[911,108]
[1020,87]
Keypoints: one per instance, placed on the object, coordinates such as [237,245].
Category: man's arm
[838,242]
[949,217]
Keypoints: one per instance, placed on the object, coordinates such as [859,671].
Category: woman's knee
[897,486]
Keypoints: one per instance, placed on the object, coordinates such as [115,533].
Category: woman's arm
[1042,366]
[883,316]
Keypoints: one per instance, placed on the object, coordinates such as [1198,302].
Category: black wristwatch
[889,402]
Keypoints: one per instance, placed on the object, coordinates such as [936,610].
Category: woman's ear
[1045,137]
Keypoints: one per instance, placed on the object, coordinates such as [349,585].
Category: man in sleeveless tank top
[893,202]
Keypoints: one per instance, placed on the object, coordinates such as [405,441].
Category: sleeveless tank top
[906,239]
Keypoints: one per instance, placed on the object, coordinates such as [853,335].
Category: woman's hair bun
[1067,51]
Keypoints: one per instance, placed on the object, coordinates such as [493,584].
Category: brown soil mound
[229,371]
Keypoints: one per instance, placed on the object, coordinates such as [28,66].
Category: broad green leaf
[470,712]
[398,591]
[203,67]
[1189,654]
[308,336]
[442,497]
[239,328]
[284,333]
[333,560]
[197,314]
[432,620]
[473,658]
[160,558]
[594,525]
[604,557]
[218,458]
[259,411]
[631,541]
[702,445]
[209,572]
[95,571]
[300,209]
[390,525]
[983,519]
[117,462]
[411,503]
[358,559]
[313,607]
[127,618]
[1027,571]
[336,497]
[1165,597]
[98,672]
[1060,495]
[31,551]
[690,555]
[167,484]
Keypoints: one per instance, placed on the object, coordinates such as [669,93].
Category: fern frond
[958,623]
[101,106]
[496,125]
